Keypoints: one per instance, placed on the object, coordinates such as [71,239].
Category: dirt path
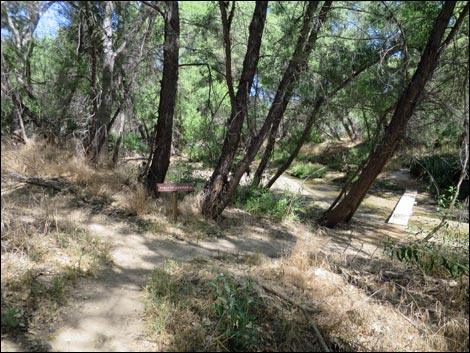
[368,228]
[105,313]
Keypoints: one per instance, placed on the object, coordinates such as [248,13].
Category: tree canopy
[239,86]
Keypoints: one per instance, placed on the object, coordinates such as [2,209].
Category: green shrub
[130,142]
[342,158]
[441,170]
[265,203]
[447,257]
[308,170]
[234,309]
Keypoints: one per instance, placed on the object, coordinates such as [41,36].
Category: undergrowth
[198,306]
[274,206]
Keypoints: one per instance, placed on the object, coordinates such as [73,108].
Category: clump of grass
[138,201]
[44,160]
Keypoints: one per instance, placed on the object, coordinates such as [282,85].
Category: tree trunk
[353,128]
[346,127]
[344,210]
[164,128]
[117,146]
[313,118]
[97,150]
[296,66]
[219,177]
[216,199]
[307,130]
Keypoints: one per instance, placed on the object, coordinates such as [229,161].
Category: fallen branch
[55,183]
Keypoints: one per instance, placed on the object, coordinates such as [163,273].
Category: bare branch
[154,6]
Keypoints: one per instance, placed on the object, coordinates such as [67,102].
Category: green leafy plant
[265,203]
[234,311]
[441,170]
[428,256]
[445,199]
[10,318]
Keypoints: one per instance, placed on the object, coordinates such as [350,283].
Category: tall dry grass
[44,247]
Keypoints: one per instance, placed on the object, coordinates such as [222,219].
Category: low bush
[308,170]
[199,306]
[446,255]
[262,202]
[442,171]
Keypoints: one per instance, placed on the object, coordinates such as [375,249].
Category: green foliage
[234,311]
[130,142]
[57,290]
[183,172]
[445,198]
[308,170]
[265,203]
[11,318]
[342,158]
[432,257]
[441,170]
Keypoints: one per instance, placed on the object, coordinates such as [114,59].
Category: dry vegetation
[360,301]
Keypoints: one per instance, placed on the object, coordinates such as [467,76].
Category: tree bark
[217,199]
[219,178]
[103,120]
[103,115]
[344,210]
[117,145]
[164,128]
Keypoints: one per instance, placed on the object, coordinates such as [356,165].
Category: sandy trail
[106,313]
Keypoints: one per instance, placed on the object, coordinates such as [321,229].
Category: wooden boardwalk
[403,209]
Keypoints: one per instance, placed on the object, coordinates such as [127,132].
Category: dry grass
[185,312]
[42,160]
[43,252]
[362,309]
[44,249]
[364,303]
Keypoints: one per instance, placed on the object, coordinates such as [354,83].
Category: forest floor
[87,287]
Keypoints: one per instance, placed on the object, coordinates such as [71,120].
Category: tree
[220,189]
[297,66]
[21,21]
[164,129]
[104,118]
[345,209]
[212,194]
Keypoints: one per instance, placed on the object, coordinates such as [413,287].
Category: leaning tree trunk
[216,203]
[219,177]
[313,118]
[164,128]
[308,128]
[344,210]
[297,65]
